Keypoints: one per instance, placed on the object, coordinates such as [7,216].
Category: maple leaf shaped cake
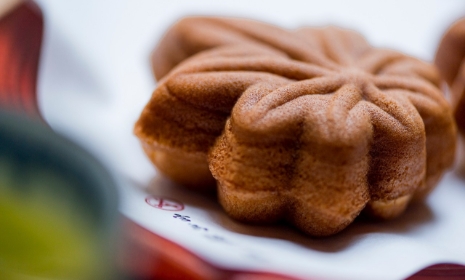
[450,60]
[311,126]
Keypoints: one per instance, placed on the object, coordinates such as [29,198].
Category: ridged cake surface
[311,126]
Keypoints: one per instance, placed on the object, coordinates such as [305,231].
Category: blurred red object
[21,29]
[146,255]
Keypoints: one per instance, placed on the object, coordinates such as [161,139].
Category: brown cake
[450,62]
[311,126]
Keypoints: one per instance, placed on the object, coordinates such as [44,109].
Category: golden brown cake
[449,59]
[311,126]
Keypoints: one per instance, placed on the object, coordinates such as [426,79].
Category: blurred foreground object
[58,206]
[21,28]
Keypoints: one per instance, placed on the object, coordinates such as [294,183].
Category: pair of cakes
[311,126]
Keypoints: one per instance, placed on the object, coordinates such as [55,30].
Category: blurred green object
[58,206]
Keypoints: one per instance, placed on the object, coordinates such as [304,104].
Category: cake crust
[311,126]
[449,59]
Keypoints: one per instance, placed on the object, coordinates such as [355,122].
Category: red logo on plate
[164,203]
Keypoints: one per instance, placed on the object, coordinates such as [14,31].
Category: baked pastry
[311,126]
[449,59]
